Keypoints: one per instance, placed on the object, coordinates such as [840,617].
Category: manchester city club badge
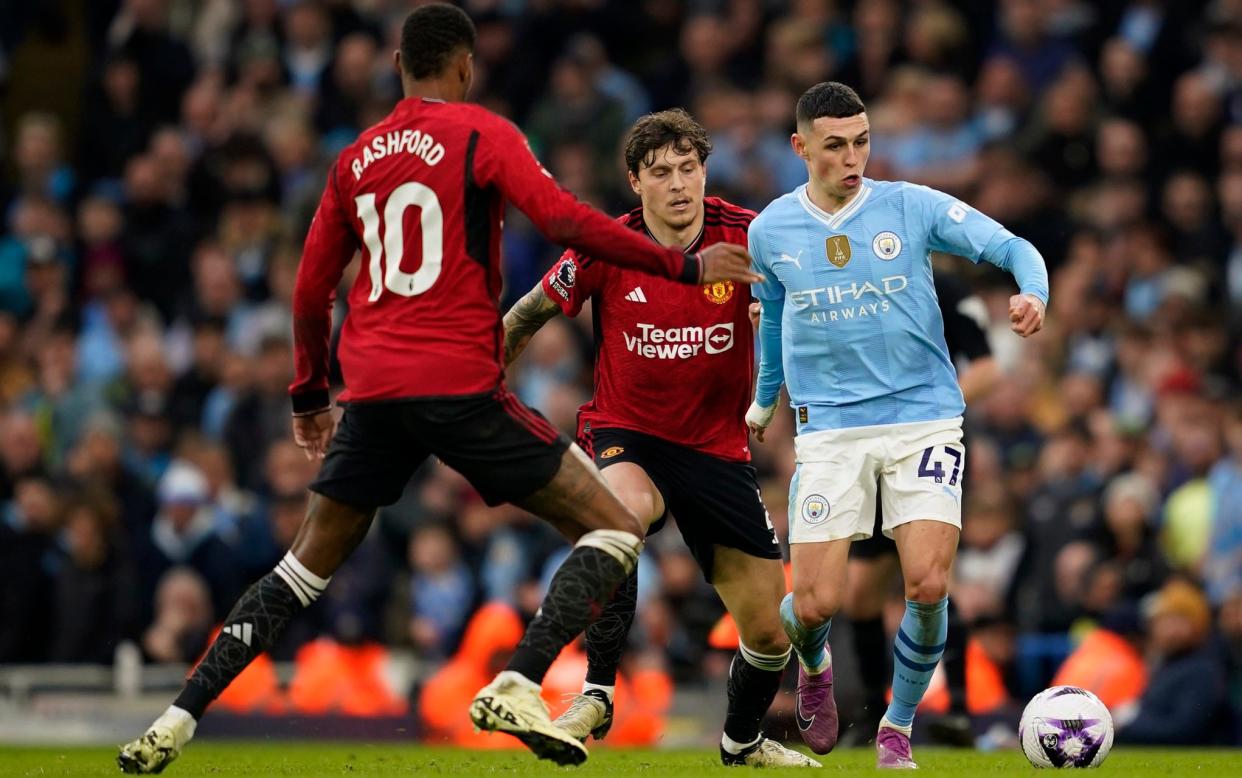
[815,509]
[886,245]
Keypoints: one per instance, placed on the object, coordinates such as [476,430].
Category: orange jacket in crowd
[494,632]
[1108,665]
[328,678]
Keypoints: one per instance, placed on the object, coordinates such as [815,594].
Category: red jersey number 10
[432,221]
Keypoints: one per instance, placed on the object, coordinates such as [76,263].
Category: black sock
[754,680]
[954,660]
[256,622]
[577,595]
[606,637]
[872,652]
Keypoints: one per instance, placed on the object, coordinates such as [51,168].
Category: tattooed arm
[524,319]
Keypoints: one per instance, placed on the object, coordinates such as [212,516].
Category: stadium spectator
[1222,567]
[1182,702]
[184,533]
[27,558]
[95,607]
[440,591]
[183,618]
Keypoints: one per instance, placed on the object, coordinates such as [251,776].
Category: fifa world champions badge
[837,247]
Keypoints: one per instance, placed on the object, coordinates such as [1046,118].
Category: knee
[621,545]
[642,504]
[626,521]
[769,640]
[813,611]
[927,586]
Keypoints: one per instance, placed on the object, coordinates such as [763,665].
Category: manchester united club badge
[720,292]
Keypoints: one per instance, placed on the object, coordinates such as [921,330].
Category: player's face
[671,187]
[836,152]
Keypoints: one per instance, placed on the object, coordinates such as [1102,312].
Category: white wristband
[760,416]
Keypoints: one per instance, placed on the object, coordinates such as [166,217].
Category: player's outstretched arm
[505,160]
[956,228]
[1022,260]
[524,319]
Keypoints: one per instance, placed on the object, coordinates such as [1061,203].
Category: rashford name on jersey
[415,142]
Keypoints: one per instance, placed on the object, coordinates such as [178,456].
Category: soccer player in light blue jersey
[851,326]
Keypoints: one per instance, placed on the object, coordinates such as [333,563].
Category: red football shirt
[422,195]
[672,360]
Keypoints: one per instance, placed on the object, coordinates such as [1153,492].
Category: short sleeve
[572,280]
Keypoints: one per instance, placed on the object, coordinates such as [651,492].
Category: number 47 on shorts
[935,469]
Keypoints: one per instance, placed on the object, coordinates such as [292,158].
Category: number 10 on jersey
[431,220]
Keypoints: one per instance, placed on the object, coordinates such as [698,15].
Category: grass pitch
[276,758]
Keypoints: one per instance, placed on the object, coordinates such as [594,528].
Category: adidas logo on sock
[242,632]
[637,295]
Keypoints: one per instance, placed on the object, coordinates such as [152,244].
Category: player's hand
[314,432]
[754,311]
[1026,314]
[758,418]
[727,262]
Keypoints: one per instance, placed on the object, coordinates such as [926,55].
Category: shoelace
[578,702]
[898,745]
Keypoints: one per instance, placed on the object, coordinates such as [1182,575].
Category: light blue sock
[808,643]
[916,651]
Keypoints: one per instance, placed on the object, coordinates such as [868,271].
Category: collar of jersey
[834,220]
[694,244]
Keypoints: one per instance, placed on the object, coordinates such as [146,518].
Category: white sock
[513,676]
[884,722]
[734,747]
[608,690]
[825,662]
[180,721]
[306,585]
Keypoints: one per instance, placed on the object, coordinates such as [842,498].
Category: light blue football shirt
[861,336]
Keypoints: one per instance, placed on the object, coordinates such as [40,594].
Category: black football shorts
[506,450]
[714,501]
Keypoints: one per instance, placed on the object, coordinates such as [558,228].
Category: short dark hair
[430,35]
[657,130]
[829,98]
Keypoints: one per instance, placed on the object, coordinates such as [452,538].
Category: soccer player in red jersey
[666,425]
[422,195]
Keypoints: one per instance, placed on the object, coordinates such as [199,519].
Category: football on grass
[1066,726]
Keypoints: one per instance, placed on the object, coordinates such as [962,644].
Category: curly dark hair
[430,35]
[657,130]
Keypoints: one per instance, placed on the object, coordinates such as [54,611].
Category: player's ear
[634,184]
[799,145]
[396,61]
[465,68]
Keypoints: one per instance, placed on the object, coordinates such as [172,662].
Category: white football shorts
[918,467]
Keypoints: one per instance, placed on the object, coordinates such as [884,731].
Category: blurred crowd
[161,160]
